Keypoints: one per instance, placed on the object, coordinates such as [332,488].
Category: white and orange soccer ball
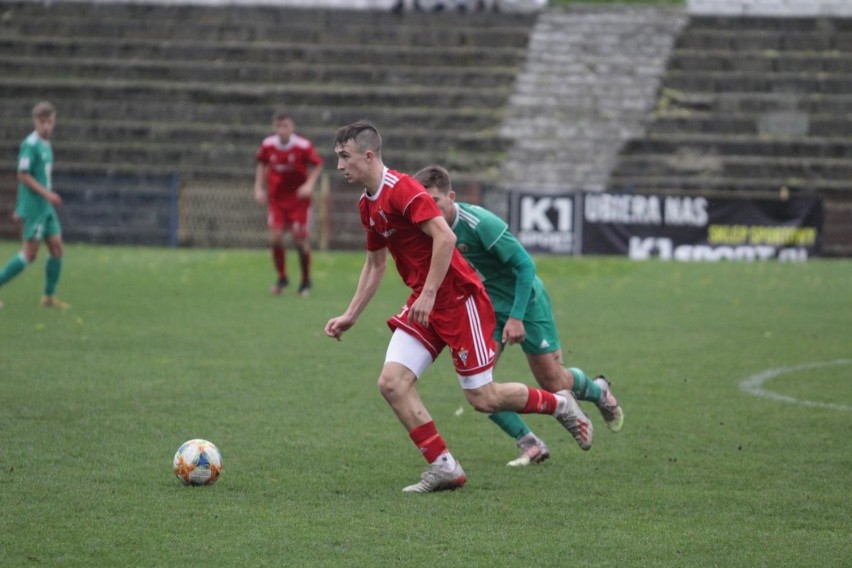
[197,462]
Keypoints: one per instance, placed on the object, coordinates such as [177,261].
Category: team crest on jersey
[462,248]
[462,355]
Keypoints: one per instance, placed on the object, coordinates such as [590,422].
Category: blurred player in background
[287,171]
[36,206]
[521,303]
[448,306]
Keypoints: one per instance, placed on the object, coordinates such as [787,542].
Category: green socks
[584,388]
[14,267]
[511,423]
[52,269]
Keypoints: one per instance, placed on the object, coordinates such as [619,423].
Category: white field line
[754,384]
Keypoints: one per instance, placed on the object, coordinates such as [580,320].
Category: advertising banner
[700,228]
[544,223]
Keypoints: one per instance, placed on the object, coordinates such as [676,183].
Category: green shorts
[40,227]
[541,336]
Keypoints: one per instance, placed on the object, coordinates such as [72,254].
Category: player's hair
[43,109]
[280,115]
[363,134]
[435,176]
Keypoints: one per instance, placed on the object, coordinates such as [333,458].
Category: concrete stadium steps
[97,69]
[249,53]
[248,118]
[762,61]
[590,79]
[819,126]
[753,106]
[815,82]
[674,102]
[743,145]
[316,28]
[191,89]
[836,192]
[703,163]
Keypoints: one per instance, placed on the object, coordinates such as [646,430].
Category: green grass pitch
[166,345]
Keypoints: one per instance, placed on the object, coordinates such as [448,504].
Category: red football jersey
[392,217]
[288,164]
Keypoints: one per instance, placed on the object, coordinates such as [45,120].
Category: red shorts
[293,215]
[467,328]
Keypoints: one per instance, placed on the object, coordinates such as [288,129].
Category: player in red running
[287,171]
[448,306]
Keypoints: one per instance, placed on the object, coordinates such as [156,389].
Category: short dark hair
[280,115]
[363,134]
[435,176]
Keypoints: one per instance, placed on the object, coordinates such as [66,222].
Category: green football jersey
[505,267]
[36,159]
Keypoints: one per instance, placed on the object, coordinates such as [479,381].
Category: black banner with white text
[668,227]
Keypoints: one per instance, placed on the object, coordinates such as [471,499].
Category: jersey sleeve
[26,157]
[312,158]
[375,241]
[501,243]
[414,203]
[262,155]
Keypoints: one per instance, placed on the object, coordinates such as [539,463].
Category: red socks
[305,263]
[427,439]
[539,402]
[278,259]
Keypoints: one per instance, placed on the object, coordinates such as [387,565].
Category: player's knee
[391,385]
[482,400]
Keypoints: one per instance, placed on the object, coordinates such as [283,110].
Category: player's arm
[524,269]
[33,185]
[306,189]
[260,173]
[368,284]
[443,244]
[509,251]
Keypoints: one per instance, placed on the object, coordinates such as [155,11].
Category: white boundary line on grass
[754,384]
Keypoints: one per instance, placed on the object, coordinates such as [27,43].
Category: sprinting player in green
[522,306]
[35,206]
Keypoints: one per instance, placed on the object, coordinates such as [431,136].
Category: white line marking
[754,384]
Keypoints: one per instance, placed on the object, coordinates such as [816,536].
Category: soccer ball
[197,462]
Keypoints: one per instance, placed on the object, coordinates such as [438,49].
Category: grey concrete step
[250,53]
[825,25]
[428,30]
[674,100]
[14,114]
[256,15]
[136,69]
[167,92]
[691,161]
[814,125]
[764,40]
[752,82]
[686,60]
[718,183]
[728,144]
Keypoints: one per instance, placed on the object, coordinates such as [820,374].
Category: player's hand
[513,331]
[421,309]
[336,326]
[260,196]
[304,191]
[54,199]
